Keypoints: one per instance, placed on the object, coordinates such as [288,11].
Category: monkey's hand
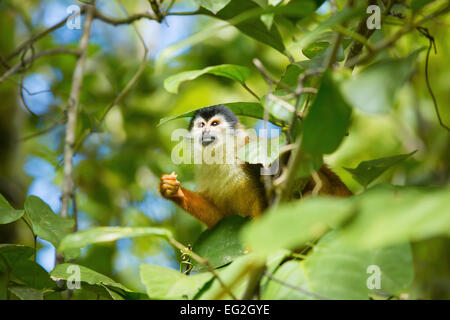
[170,187]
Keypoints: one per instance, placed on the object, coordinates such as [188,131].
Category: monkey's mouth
[207,139]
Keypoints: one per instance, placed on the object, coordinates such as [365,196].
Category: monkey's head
[211,125]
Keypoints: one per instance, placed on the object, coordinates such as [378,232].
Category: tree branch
[72,110]
[34,57]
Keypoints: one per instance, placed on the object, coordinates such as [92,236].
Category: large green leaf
[13,253]
[292,224]
[45,223]
[328,118]
[231,71]
[367,171]
[165,283]
[32,274]
[249,23]
[81,239]
[220,245]
[238,269]
[373,90]
[7,213]
[26,293]
[389,215]
[335,270]
[65,271]
[249,109]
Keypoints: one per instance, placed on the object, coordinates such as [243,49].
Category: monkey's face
[210,132]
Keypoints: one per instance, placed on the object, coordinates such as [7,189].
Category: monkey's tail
[329,183]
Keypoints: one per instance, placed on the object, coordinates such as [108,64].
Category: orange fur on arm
[199,207]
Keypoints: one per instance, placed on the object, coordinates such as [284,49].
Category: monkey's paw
[170,187]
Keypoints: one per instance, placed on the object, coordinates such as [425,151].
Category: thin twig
[432,44]
[204,262]
[17,66]
[122,93]
[72,111]
[43,33]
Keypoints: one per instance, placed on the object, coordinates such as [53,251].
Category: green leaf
[13,253]
[249,23]
[231,71]
[165,283]
[294,223]
[27,293]
[7,213]
[367,171]
[315,48]
[373,90]
[62,272]
[328,118]
[229,274]
[416,5]
[335,270]
[261,151]
[249,109]
[32,274]
[389,215]
[81,239]
[220,245]
[45,223]
[213,5]
[291,272]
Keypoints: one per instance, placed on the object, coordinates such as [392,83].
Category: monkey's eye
[215,123]
[201,124]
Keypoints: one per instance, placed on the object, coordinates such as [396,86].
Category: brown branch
[357,46]
[388,43]
[41,34]
[36,56]
[128,20]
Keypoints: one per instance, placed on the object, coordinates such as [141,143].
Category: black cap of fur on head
[209,112]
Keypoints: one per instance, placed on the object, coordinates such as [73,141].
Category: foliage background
[118,167]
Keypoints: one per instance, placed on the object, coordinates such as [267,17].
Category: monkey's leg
[194,203]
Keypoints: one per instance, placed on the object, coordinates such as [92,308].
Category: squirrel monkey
[225,188]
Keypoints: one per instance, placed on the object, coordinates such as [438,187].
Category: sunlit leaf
[82,238]
[212,5]
[45,223]
[239,268]
[294,223]
[26,293]
[7,213]
[335,270]
[66,270]
[234,72]
[389,215]
[367,171]
[165,283]
[373,90]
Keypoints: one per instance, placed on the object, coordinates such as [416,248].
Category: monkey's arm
[194,203]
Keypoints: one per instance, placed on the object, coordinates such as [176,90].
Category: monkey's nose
[207,139]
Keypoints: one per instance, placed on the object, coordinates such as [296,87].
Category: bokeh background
[118,167]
